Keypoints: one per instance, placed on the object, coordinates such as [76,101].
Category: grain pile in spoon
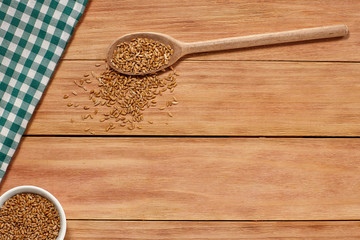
[141,55]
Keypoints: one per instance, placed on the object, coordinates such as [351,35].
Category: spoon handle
[266,39]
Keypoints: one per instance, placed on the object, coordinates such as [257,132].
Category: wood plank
[188,21]
[211,230]
[194,178]
[238,99]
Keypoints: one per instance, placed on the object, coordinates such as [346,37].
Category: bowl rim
[42,192]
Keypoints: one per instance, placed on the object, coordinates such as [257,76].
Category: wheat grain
[141,55]
[29,216]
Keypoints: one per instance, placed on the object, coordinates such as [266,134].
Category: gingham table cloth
[33,36]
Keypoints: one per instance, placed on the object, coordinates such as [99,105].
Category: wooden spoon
[181,48]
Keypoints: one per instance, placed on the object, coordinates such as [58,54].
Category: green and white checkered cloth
[33,36]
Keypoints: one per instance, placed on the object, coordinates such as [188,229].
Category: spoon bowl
[180,48]
[176,45]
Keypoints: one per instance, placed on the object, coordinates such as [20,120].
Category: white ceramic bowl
[44,193]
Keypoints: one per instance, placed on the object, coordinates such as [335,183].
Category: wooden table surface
[264,142]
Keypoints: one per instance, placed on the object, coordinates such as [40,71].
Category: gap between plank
[227,60]
[185,136]
[250,221]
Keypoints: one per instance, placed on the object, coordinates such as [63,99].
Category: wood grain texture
[194,178]
[211,230]
[189,21]
[307,89]
[224,98]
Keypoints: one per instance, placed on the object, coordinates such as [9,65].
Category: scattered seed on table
[97,65]
[69,104]
[75,93]
[110,127]
[86,129]
[126,96]
[76,105]
[170,114]
[66,96]
[151,122]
